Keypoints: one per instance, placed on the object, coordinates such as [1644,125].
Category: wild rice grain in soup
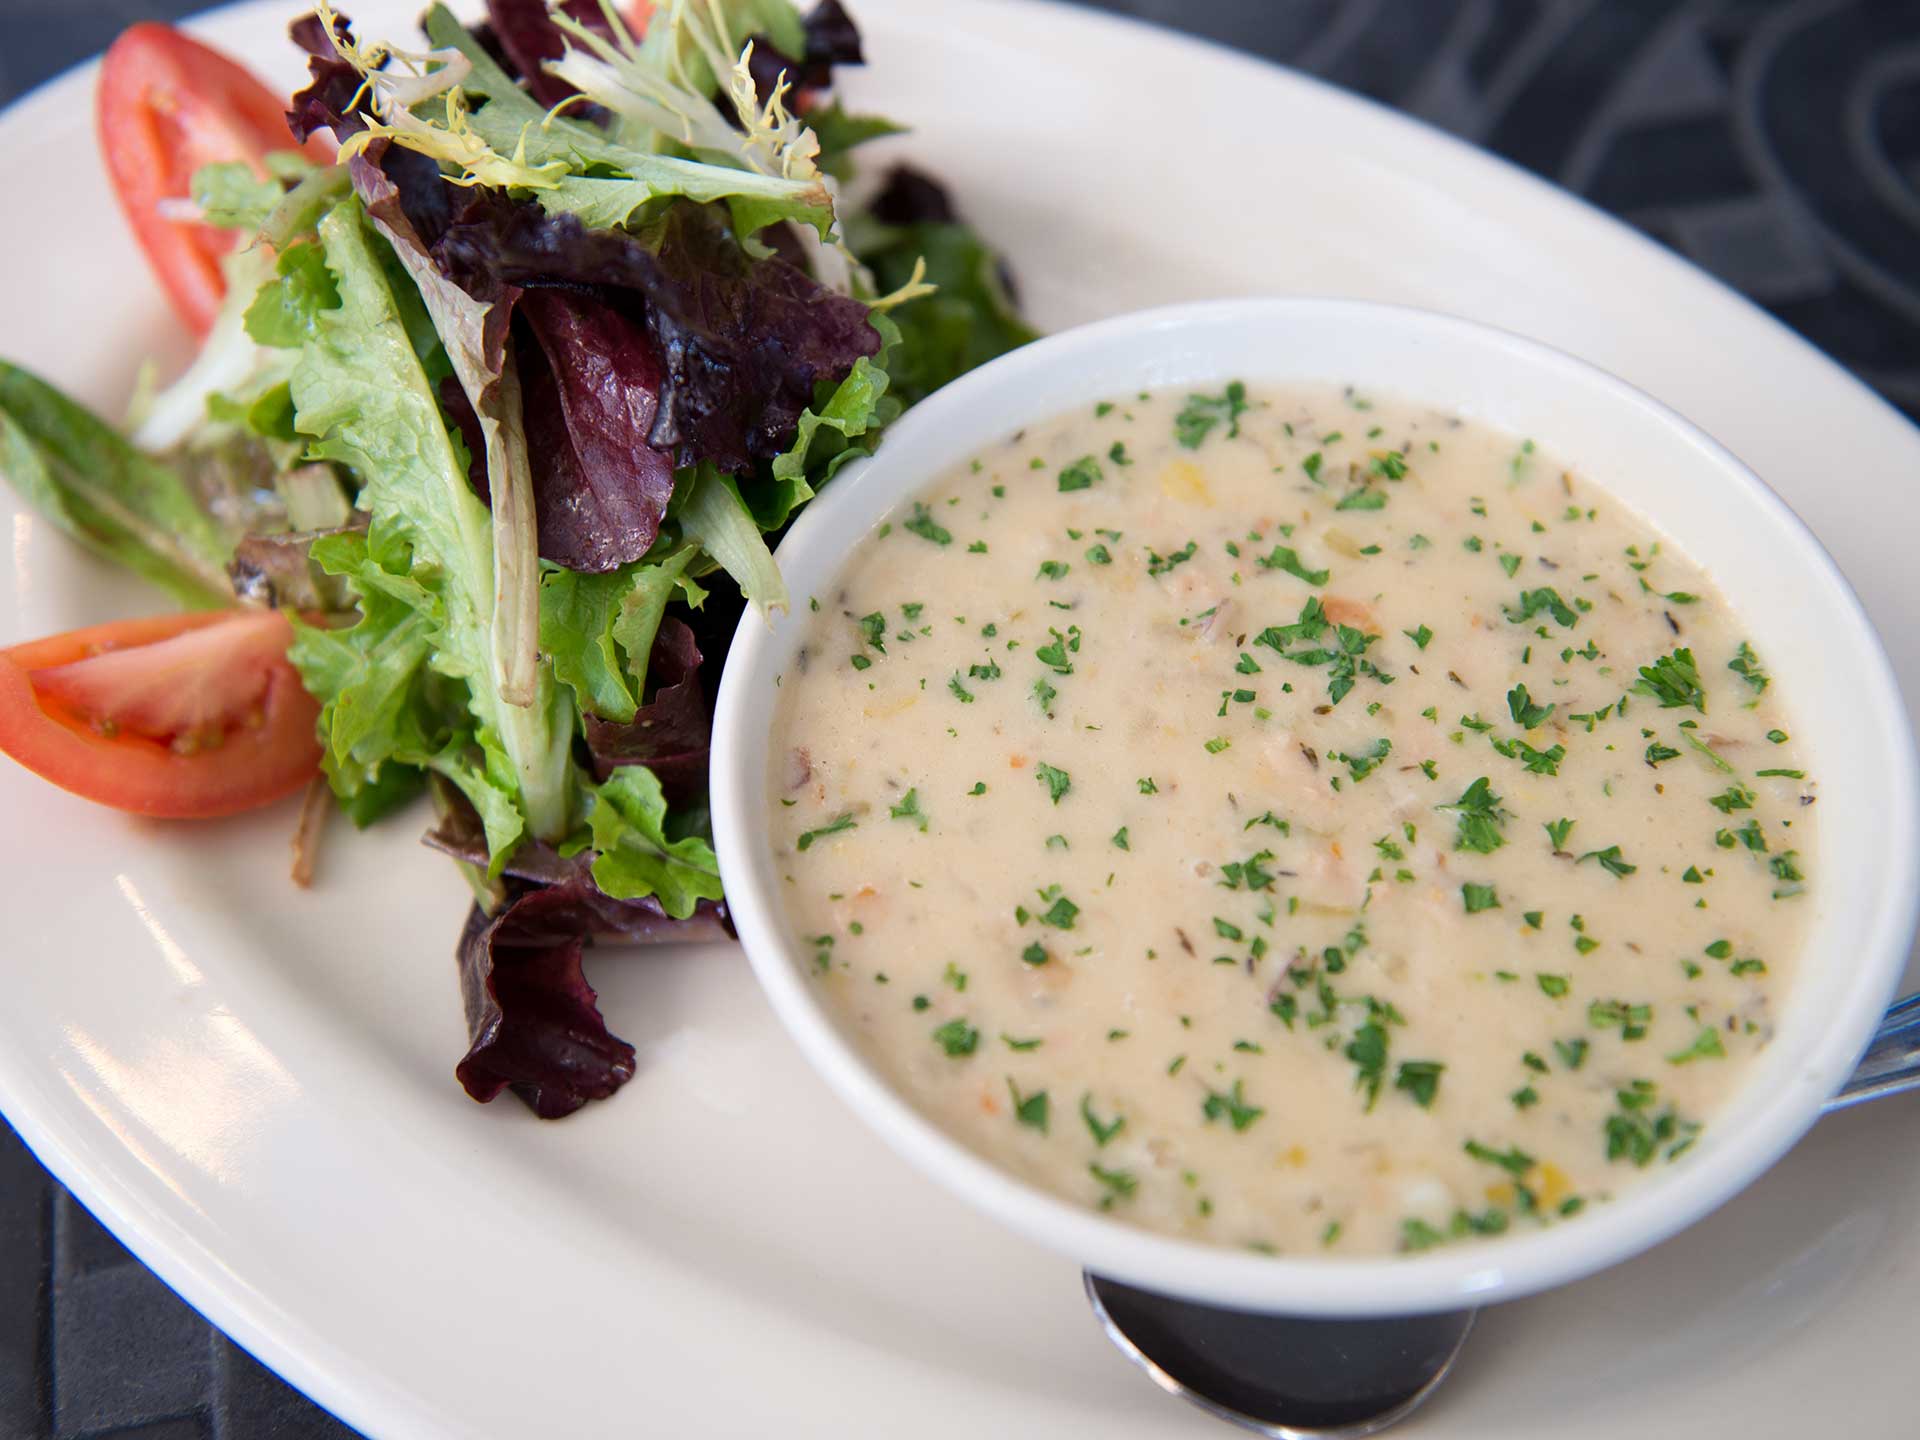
[1293,820]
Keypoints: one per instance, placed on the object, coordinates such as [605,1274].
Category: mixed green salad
[520,348]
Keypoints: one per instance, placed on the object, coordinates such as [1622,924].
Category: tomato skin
[166,106]
[258,763]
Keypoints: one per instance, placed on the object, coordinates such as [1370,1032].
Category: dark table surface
[1724,128]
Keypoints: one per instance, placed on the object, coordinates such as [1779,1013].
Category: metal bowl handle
[1891,1063]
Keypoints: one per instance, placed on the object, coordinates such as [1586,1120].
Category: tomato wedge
[168,105]
[179,716]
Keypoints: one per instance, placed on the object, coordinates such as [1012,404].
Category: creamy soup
[1293,819]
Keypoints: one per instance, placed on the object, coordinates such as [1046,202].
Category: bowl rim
[1447,1277]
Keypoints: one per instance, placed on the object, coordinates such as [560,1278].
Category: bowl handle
[1891,1063]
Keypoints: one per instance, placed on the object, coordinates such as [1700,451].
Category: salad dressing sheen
[1292,819]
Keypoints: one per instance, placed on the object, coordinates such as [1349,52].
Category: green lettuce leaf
[637,858]
[577,618]
[646,604]
[598,629]
[230,365]
[84,477]
[474,336]
[387,716]
[838,132]
[843,427]
[969,319]
[285,312]
[713,514]
[232,197]
[361,391]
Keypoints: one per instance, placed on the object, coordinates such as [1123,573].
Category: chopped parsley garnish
[1158,564]
[1035,954]
[873,630]
[1478,816]
[923,525]
[1678,597]
[1232,1104]
[1054,655]
[1706,1046]
[1673,681]
[1368,1052]
[1363,497]
[1747,666]
[1537,762]
[1417,1234]
[1553,987]
[1345,659]
[960,692]
[1420,636]
[1058,782]
[1119,1184]
[1611,861]
[909,809]
[1515,1161]
[1532,602]
[1634,1135]
[1060,911]
[1526,714]
[1633,1020]
[1478,897]
[1120,841]
[1202,413]
[1103,1130]
[1367,761]
[1656,752]
[1081,474]
[1029,1110]
[1285,558]
[1420,1079]
[842,821]
[1734,797]
[1052,570]
[957,1038]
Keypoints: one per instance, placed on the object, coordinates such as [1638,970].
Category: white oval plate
[253,1086]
